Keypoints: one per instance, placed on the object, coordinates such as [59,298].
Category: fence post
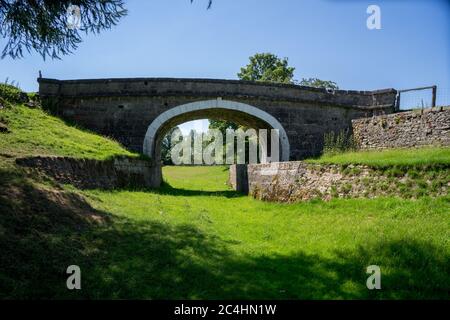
[398,101]
[433,101]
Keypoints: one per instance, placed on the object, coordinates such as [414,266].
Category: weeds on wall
[335,143]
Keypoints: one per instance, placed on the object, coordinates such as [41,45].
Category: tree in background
[209,3]
[265,67]
[317,83]
[166,146]
[222,125]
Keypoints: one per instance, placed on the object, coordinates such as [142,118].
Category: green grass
[34,132]
[201,178]
[9,94]
[223,245]
[394,157]
[195,238]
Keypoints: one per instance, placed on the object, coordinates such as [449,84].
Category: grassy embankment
[33,132]
[426,156]
[196,238]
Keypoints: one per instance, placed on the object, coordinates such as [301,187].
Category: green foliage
[166,146]
[264,67]
[209,3]
[41,25]
[10,92]
[317,83]
[267,67]
[222,125]
[338,143]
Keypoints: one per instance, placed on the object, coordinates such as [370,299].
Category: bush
[338,143]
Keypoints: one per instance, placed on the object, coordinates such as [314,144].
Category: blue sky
[327,39]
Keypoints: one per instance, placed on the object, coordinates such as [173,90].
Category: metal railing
[417,101]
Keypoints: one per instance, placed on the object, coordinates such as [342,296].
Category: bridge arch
[216,108]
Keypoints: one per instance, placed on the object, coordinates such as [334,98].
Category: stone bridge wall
[124,108]
[404,129]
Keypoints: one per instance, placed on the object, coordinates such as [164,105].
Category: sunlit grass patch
[34,132]
[425,156]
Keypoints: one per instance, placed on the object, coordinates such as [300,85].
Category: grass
[34,132]
[194,238]
[231,246]
[199,239]
[201,178]
[428,156]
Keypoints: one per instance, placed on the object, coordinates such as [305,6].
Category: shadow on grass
[39,232]
[167,189]
[160,262]
[43,232]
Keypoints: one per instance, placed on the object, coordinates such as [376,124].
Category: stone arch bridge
[138,112]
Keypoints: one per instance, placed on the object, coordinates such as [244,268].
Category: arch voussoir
[150,140]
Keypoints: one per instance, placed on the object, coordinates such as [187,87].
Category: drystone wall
[404,129]
[299,181]
[90,174]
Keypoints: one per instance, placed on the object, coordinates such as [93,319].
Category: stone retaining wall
[299,181]
[404,129]
[90,174]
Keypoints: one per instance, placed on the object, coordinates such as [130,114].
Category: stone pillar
[238,178]
[153,176]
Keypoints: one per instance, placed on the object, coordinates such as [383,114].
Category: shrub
[12,94]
